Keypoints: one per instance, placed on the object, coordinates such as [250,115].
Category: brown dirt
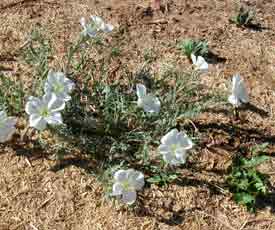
[34,197]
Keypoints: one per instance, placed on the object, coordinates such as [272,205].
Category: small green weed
[198,48]
[161,177]
[244,17]
[246,182]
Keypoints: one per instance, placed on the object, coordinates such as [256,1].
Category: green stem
[236,113]
[73,50]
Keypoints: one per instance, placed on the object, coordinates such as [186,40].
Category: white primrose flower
[7,127]
[58,84]
[174,146]
[239,93]
[126,183]
[95,25]
[45,110]
[199,62]
[148,102]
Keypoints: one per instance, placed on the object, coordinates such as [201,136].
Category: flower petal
[54,119]
[194,59]
[184,141]
[181,155]
[163,148]
[83,22]
[120,175]
[117,189]
[234,100]
[151,104]
[37,122]
[7,127]
[11,121]
[54,104]
[108,28]
[3,115]
[168,157]
[170,138]
[141,90]
[201,64]
[32,106]
[129,197]
[6,134]
[136,179]
[98,21]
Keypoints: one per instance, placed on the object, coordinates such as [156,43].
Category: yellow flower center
[174,148]
[44,112]
[126,185]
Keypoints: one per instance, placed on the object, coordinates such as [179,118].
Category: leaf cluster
[246,182]
[190,46]
[244,17]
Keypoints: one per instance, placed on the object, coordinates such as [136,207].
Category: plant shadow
[214,58]
[253,108]
[267,201]
[257,27]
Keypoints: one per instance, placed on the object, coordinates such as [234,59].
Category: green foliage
[116,130]
[115,52]
[11,95]
[198,48]
[244,17]
[37,53]
[246,182]
[161,177]
[258,149]
[103,121]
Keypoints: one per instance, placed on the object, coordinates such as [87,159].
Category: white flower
[148,102]
[58,84]
[94,26]
[174,146]
[239,94]
[199,62]
[7,126]
[44,111]
[126,183]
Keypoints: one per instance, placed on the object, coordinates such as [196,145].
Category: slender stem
[236,113]
[24,133]
[73,50]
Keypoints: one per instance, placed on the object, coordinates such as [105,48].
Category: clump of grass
[196,47]
[244,17]
[246,182]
